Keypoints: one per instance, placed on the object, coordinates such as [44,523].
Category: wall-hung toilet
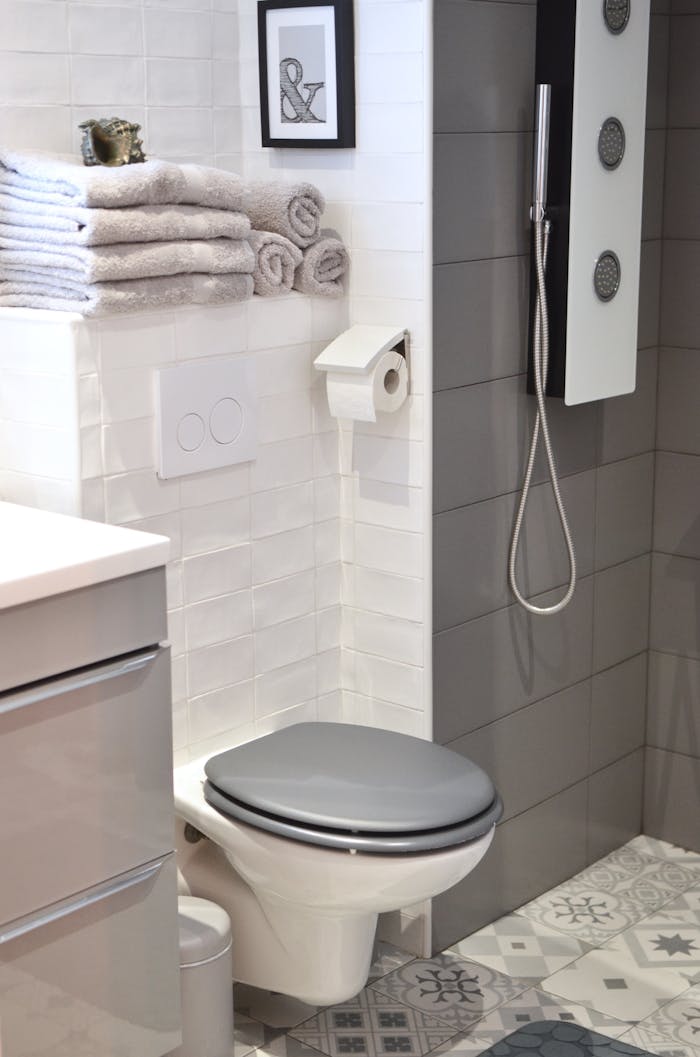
[317,828]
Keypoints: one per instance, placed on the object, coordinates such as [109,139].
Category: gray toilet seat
[345,786]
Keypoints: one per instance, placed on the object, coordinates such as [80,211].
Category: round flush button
[226,420]
[190,432]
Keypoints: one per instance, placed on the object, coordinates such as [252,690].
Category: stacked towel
[98,240]
[291,249]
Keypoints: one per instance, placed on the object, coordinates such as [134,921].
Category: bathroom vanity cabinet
[88,903]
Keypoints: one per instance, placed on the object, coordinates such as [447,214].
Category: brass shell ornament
[112,141]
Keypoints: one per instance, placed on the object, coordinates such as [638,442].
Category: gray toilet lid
[353,780]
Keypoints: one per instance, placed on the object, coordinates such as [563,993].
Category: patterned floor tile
[678,1021]
[687,902]
[372,1025]
[638,874]
[661,849]
[664,941]
[459,992]
[529,1007]
[286,1046]
[592,915]
[616,980]
[518,946]
[658,1044]
[274,1010]
[386,959]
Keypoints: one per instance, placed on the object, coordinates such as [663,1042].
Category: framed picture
[307,84]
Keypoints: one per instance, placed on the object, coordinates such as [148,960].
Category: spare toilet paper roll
[360,396]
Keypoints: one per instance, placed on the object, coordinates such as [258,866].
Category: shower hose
[540,346]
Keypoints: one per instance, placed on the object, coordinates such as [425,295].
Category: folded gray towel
[292,210]
[39,222]
[324,266]
[275,261]
[64,180]
[138,295]
[96,264]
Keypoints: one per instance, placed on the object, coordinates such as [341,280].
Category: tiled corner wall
[188,73]
[672,785]
[170,66]
[553,708]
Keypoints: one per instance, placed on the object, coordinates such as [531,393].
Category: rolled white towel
[290,209]
[276,259]
[324,266]
[64,180]
[96,264]
[101,299]
[80,225]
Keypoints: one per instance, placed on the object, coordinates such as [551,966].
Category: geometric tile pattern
[521,947]
[372,1025]
[457,991]
[528,1008]
[614,950]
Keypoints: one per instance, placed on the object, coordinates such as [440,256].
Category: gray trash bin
[205,979]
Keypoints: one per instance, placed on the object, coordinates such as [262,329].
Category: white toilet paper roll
[360,396]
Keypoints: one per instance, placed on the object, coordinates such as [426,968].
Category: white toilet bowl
[303,912]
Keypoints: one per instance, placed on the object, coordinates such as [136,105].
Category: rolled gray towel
[96,264]
[292,210]
[276,259]
[82,226]
[137,295]
[64,180]
[323,267]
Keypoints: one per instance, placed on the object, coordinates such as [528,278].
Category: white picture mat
[301,16]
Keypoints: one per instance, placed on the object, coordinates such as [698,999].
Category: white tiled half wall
[302,579]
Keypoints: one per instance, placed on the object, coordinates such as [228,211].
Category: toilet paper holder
[366,371]
[359,348]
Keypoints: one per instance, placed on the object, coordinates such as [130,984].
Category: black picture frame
[319,113]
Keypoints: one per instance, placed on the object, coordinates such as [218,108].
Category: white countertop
[44,554]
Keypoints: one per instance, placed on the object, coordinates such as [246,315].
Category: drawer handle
[71,683]
[42,917]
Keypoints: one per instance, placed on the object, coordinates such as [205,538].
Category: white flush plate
[206,415]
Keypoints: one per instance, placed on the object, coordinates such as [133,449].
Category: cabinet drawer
[85,779]
[96,975]
[66,631]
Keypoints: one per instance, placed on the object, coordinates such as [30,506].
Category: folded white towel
[96,264]
[39,222]
[101,299]
[324,266]
[276,258]
[64,180]
[292,210]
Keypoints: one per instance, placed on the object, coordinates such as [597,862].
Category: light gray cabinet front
[85,780]
[97,975]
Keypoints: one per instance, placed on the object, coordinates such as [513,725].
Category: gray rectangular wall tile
[481,437]
[615,805]
[684,73]
[678,426]
[682,189]
[618,707]
[474,339]
[649,294]
[471,546]
[675,605]
[481,192]
[677,504]
[680,305]
[673,722]
[621,612]
[671,789]
[536,752]
[484,79]
[657,72]
[529,854]
[490,667]
[627,423]
[653,204]
[624,509]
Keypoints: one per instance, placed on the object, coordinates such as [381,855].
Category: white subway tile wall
[298,583]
